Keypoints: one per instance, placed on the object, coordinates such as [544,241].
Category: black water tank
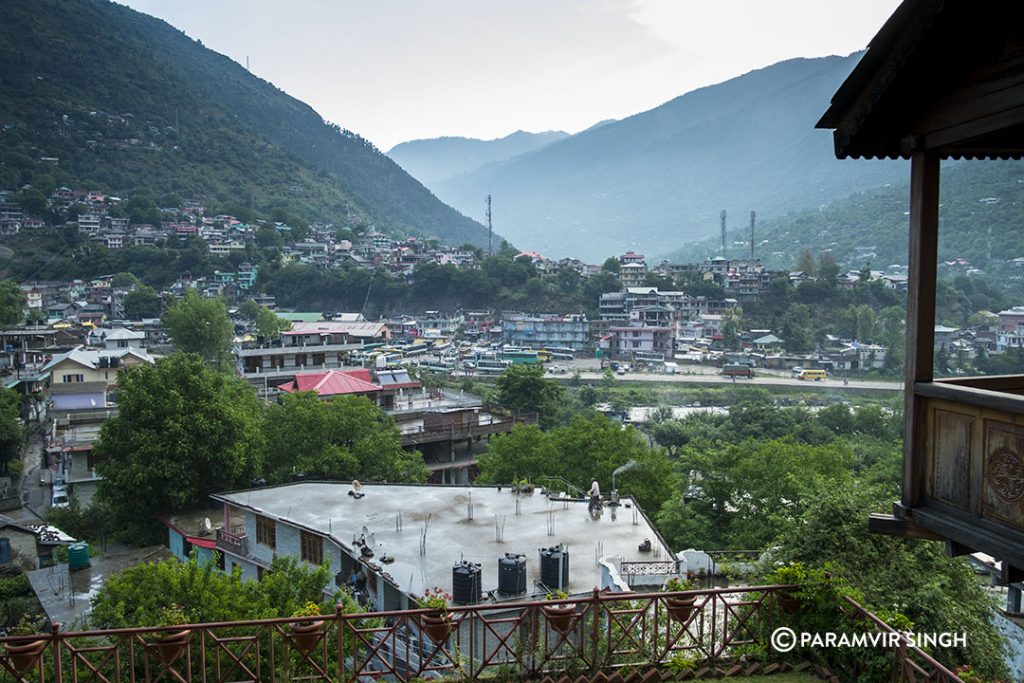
[554,567]
[512,574]
[466,583]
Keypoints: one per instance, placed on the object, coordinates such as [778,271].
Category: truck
[737,370]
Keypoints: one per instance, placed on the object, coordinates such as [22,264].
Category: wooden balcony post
[924,237]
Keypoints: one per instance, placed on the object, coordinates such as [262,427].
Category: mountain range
[660,178]
[438,159]
[99,96]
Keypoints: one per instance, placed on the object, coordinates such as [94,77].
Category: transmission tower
[753,216]
[490,230]
[723,233]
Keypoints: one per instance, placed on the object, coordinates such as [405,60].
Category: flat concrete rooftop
[396,515]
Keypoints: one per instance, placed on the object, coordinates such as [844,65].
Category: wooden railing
[599,632]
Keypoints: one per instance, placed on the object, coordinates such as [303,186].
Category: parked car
[797,370]
[60,497]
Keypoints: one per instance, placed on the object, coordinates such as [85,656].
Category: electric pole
[723,233]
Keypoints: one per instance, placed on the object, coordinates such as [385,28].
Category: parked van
[816,375]
[737,370]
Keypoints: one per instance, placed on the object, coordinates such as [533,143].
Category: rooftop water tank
[512,574]
[554,567]
[78,556]
[466,583]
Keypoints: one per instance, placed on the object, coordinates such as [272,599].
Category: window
[266,531]
[5,550]
[312,548]
[68,379]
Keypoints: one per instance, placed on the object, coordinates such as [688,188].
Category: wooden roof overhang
[941,75]
[945,79]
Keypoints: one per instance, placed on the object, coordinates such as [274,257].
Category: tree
[805,263]
[936,592]
[142,302]
[589,447]
[12,303]
[611,265]
[141,594]
[268,325]
[796,329]
[183,431]
[523,388]
[344,438]
[201,326]
[11,432]
[249,309]
[732,325]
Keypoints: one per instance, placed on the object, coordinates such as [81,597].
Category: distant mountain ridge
[436,159]
[127,103]
[660,178]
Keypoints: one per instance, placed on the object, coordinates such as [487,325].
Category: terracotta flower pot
[680,609]
[171,646]
[788,602]
[25,656]
[437,626]
[306,634]
[561,617]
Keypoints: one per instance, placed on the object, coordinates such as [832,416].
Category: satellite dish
[366,532]
[206,524]
[357,487]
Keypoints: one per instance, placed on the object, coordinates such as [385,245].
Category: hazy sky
[395,70]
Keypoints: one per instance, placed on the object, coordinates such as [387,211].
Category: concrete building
[408,537]
[539,331]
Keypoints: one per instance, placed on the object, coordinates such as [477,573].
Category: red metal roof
[333,383]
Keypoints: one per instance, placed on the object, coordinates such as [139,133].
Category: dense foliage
[183,431]
[345,438]
[146,594]
[12,436]
[201,326]
[589,447]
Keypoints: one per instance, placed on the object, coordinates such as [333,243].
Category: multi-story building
[538,331]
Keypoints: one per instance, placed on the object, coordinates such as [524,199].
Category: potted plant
[437,623]
[25,654]
[561,617]
[680,608]
[308,632]
[169,645]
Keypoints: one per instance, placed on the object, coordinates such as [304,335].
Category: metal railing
[521,640]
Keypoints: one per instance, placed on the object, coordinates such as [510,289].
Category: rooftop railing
[598,632]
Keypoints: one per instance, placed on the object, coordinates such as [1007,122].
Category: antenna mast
[723,233]
[490,230]
[753,216]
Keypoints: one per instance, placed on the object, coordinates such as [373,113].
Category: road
[758,381]
[590,371]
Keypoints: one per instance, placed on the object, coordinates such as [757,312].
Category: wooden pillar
[924,237]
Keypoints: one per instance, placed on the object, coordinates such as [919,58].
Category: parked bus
[491,366]
[816,375]
[521,356]
[561,352]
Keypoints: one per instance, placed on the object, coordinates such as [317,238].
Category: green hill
[126,103]
[980,222]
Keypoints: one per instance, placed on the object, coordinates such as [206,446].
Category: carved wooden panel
[1003,473]
[949,476]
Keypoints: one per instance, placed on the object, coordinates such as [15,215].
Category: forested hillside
[980,226]
[94,94]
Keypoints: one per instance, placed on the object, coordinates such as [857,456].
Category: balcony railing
[598,632]
[233,541]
